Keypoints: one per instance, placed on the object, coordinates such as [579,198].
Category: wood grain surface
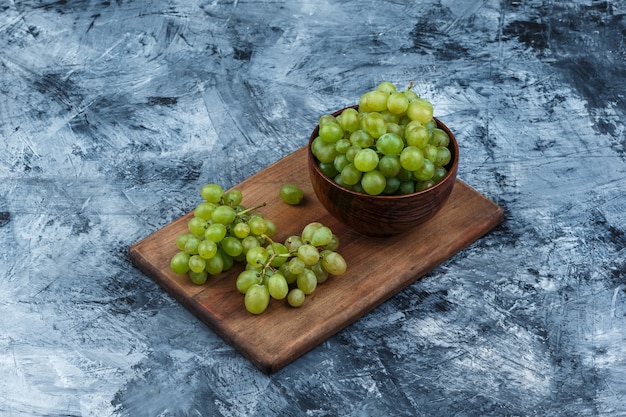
[378,268]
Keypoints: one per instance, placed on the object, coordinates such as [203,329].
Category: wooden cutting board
[378,268]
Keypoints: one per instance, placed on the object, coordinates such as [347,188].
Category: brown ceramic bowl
[381,216]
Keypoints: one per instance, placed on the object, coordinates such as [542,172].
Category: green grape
[207,249]
[233,198]
[386,87]
[180,263]
[404,175]
[257,298]
[292,243]
[443,156]
[291,194]
[323,151]
[320,273]
[296,265]
[296,297]
[273,250]
[416,134]
[307,281]
[322,236]
[308,254]
[423,185]
[198,278]
[215,265]
[410,94]
[366,160]
[204,210]
[246,279]
[249,242]
[223,214]
[334,263]
[331,132]
[271,228]
[390,144]
[333,244]
[439,137]
[215,232]
[328,169]
[257,225]
[389,166]
[227,260]
[232,246]
[349,120]
[421,110]
[197,226]
[407,187]
[277,286]
[327,118]
[212,193]
[390,118]
[425,172]
[394,127]
[289,276]
[257,255]
[350,175]
[340,162]
[241,230]
[373,101]
[191,245]
[373,182]
[182,239]
[440,172]
[397,103]
[392,186]
[374,124]
[196,263]
[430,153]
[342,145]
[307,231]
[412,158]
[361,139]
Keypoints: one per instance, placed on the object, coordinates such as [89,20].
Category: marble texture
[114,113]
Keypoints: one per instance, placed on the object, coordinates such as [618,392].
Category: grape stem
[248,210]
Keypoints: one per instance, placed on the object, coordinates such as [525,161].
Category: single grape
[246,279]
[296,297]
[196,226]
[440,172]
[257,224]
[233,197]
[361,139]
[410,94]
[249,242]
[421,110]
[257,298]
[257,256]
[196,263]
[307,281]
[180,263]
[343,145]
[425,172]
[328,169]
[331,132]
[411,158]
[223,214]
[241,230]
[443,156]
[374,124]
[212,193]
[373,182]
[291,194]
[198,278]
[215,265]
[334,263]
[386,87]
[350,120]
[293,242]
[215,232]
[350,175]
[390,144]
[323,151]
[340,162]
[191,245]
[397,103]
[322,236]
[204,210]
[308,254]
[232,246]
[296,265]
[275,249]
[416,134]
[207,249]
[366,160]
[277,286]
[439,137]
[373,101]
[320,273]
[392,186]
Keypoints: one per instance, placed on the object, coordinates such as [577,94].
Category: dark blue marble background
[114,113]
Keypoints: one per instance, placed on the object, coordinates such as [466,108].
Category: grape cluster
[388,145]
[290,270]
[223,232]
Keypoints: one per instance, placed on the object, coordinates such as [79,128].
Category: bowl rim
[453,164]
